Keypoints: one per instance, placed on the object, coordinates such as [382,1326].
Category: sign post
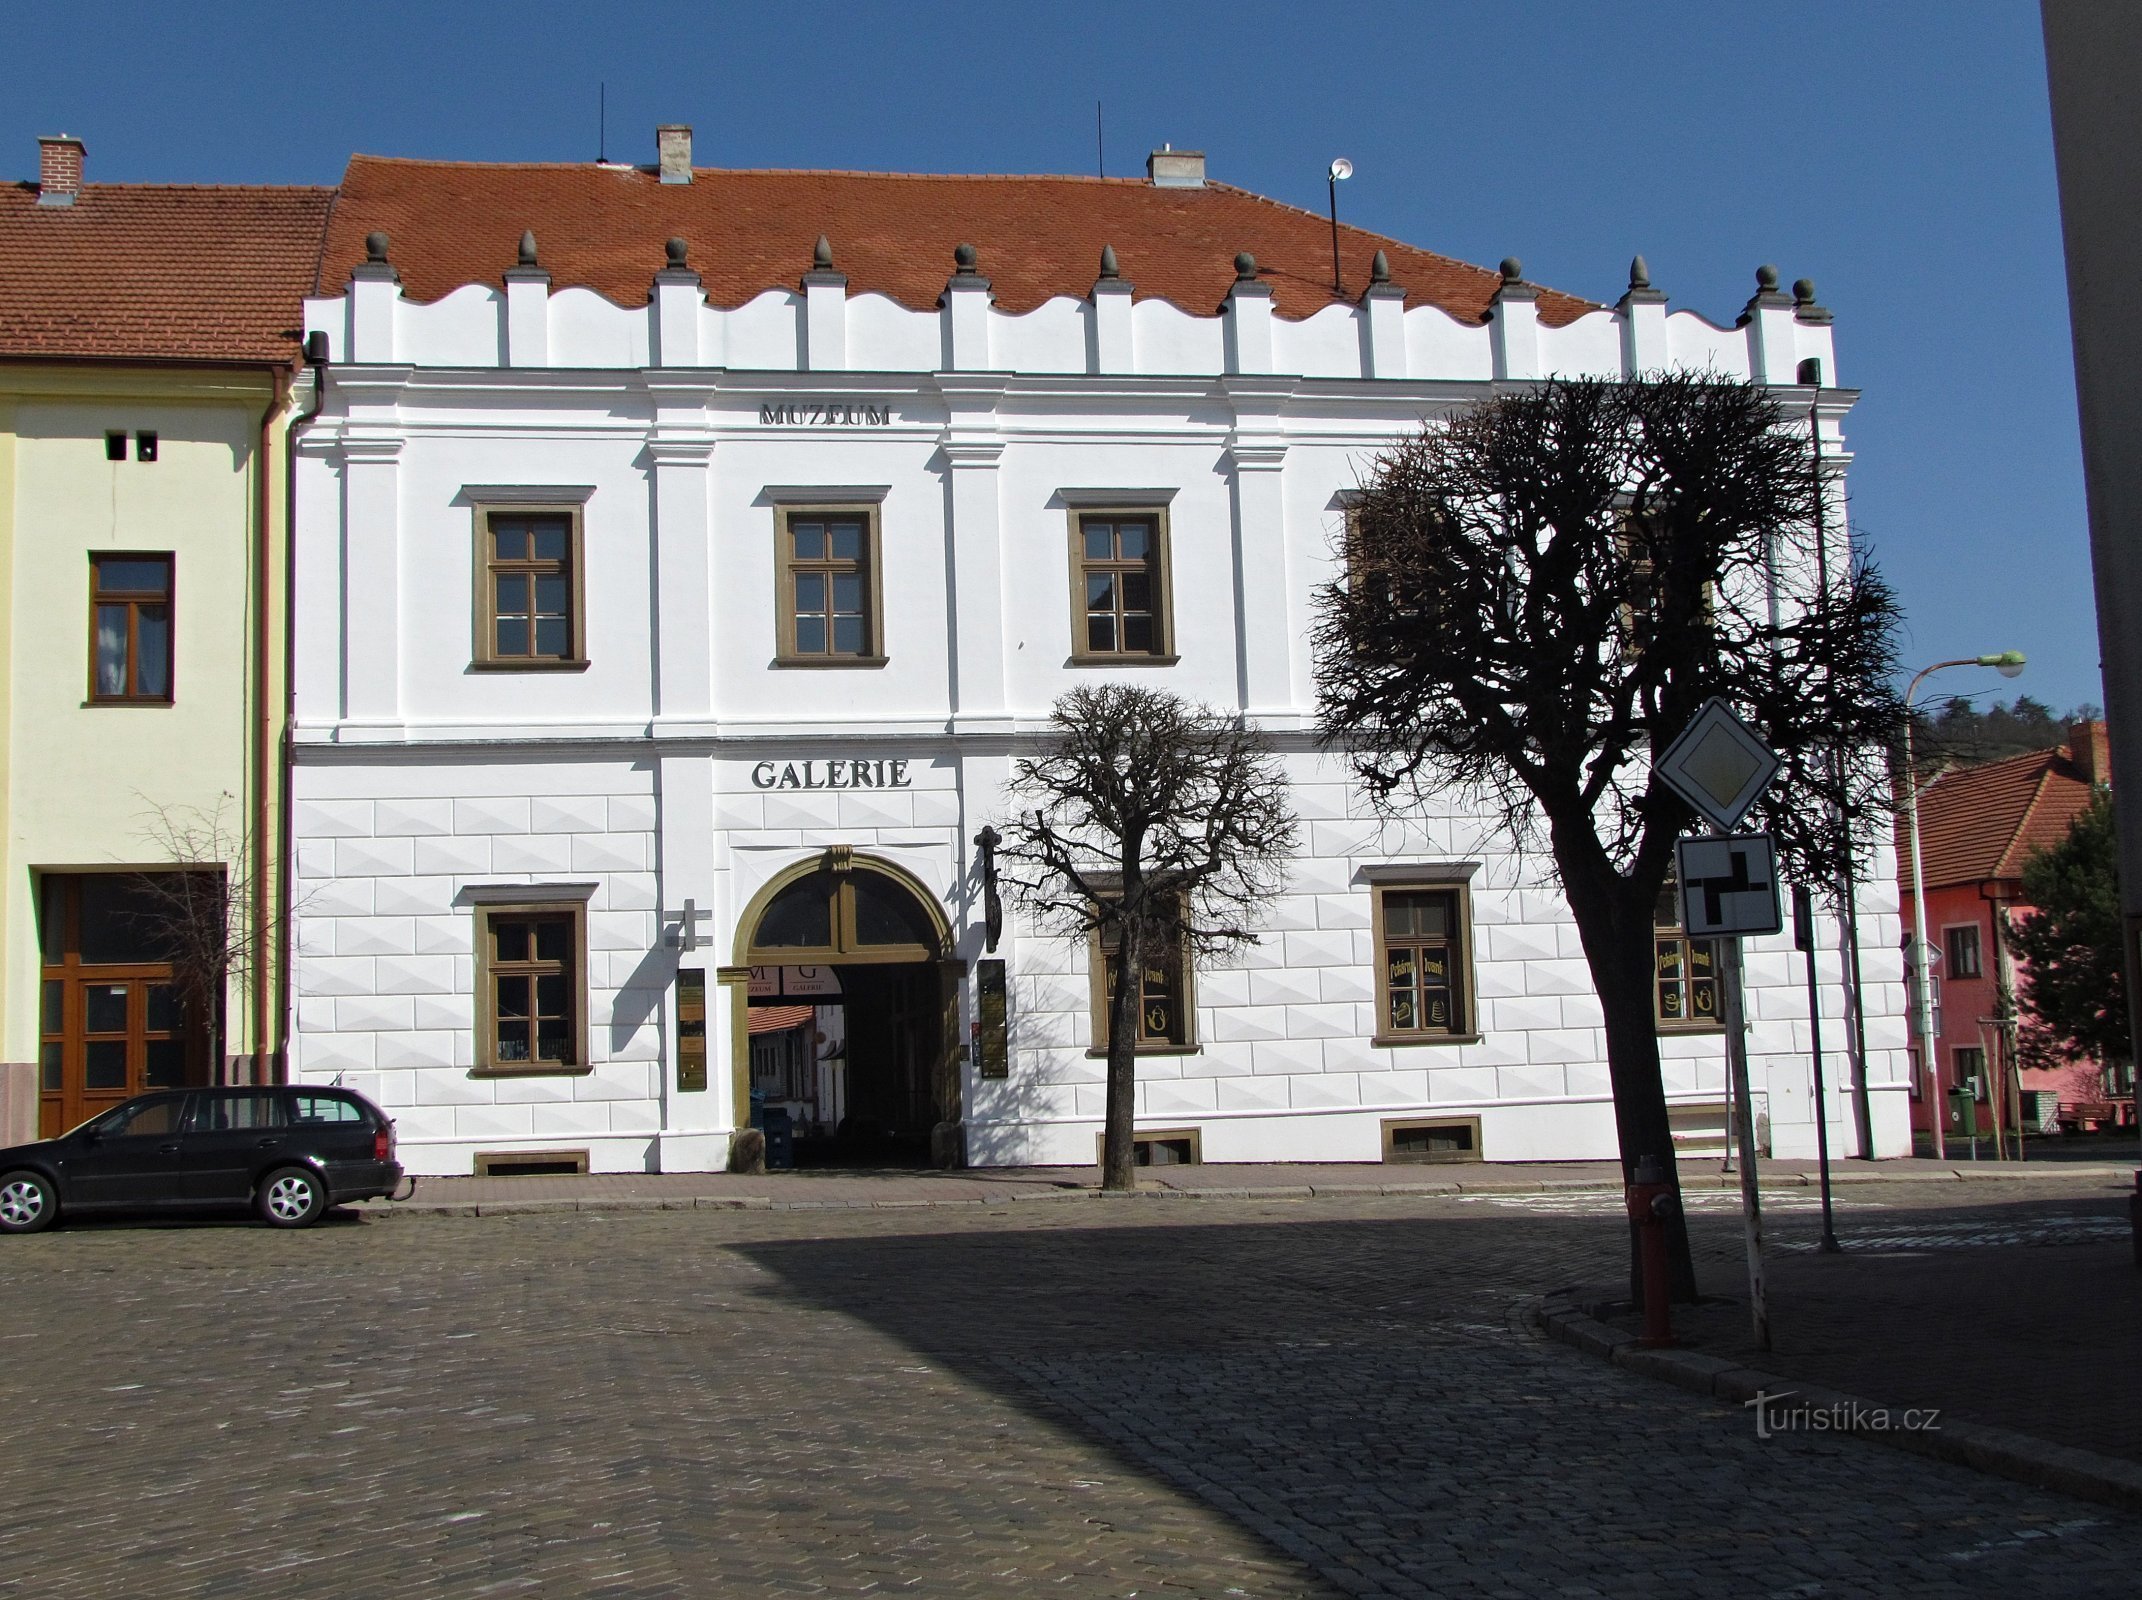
[1803,935]
[1729,887]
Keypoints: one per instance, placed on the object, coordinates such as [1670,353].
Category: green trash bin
[1963,1115]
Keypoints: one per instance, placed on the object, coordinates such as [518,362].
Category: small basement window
[1444,1139]
[115,447]
[144,446]
[1159,1147]
[530,1163]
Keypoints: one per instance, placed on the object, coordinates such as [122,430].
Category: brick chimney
[59,169]
[1170,168]
[673,148]
[2090,748]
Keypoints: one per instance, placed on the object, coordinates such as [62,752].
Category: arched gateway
[864,936]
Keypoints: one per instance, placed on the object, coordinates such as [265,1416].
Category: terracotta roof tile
[158,271]
[603,228]
[1982,823]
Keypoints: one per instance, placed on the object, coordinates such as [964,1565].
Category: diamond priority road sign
[1718,765]
[1729,885]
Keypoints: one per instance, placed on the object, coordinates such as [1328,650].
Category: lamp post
[2009,663]
[1341,168]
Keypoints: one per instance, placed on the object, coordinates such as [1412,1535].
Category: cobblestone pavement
[1268,1398]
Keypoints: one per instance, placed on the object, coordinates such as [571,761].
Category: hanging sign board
[992,1032]
[691,1030]
[1729,885]
[1718,766]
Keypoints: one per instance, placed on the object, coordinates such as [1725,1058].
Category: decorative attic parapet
[822,326]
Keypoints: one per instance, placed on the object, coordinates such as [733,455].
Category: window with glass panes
[532,977]
[1164,1009]
[1964,951]
[130,628]
[1121,585]
[1684,989]
[828,611]
[1419,933]
[531,615]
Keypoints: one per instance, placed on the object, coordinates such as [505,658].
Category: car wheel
[28,1202]
[290,1197]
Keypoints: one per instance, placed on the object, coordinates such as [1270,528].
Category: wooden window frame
[1393,1156]
[1159,566]
[1980,1081]
[1661,933]
[1097,991]
[1193,1137]
[1462,988]
[485,657]
[133,599]
[786,566]
[1949,950]
[574,914]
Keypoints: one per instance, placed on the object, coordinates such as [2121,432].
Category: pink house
[1977,826]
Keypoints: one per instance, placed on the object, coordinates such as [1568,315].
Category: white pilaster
[966,302]
[1384,307]
[1773,336]
[527,317]
[1113,348]
[1642,313]
[681,451]
[1267,629]
[678,301]
[1514,325]
[825,321]
[375,297]
[973,447]
[1248,314]
[372,560]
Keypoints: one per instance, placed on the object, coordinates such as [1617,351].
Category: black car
[290,1153]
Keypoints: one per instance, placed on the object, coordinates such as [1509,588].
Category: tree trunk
[1618,949]
[1119,1169]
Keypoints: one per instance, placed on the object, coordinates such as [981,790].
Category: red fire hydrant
[1651,1203]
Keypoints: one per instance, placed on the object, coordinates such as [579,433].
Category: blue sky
[1901,156]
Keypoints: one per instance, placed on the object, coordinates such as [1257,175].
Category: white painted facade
[418,780]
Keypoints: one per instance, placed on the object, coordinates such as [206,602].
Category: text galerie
[830,775]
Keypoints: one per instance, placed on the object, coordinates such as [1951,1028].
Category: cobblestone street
[1191,1398]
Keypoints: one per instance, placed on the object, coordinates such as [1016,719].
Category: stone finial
[1513,270]
[375,249]
[1803,291]
[964,258]
[1766,279]
[822,255]
[1245,268]
[1379,269]
[1639,273]
[676,250]
[528,248]
[1109,268]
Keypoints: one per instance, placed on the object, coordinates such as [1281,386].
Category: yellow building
[148,361]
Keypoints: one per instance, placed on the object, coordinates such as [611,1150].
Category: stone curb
[2037,1462]
[1279,1191]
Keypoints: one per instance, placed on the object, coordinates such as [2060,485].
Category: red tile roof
[779,1019]
[1979,824]
[451,223]
[159,272]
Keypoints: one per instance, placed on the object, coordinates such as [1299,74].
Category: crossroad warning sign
[1729,885]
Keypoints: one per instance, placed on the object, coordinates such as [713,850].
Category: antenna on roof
[1100,150]
[602,123]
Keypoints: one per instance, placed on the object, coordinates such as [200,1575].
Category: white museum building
[682,557]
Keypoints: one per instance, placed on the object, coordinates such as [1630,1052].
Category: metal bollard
[1651,1201]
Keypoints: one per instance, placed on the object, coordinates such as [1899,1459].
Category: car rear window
[228,1113]
[328,1108]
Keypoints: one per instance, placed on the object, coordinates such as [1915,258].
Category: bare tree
[1159,828]
[198,912]
[1542,592]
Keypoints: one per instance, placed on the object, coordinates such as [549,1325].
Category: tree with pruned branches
[1159,829]
[1541,592]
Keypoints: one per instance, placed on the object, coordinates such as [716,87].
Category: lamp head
[1341,168]
[2009,663]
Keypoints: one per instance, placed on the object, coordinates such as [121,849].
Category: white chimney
[673,145]
[1169,168]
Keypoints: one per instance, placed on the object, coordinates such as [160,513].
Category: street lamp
[1341,168]
[2009,663]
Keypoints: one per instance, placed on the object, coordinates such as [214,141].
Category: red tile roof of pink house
[157,272]
[1979,824]
[451,223]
